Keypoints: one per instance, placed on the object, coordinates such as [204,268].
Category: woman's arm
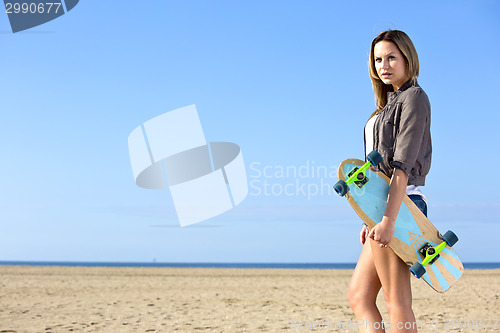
[384,231]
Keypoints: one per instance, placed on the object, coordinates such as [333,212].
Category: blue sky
[285,80]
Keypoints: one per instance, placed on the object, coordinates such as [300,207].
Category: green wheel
[374,157]
[417,270]
[450,238]
[341,188]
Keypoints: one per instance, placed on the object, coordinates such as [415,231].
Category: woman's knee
[359,298]
[397,305]
[352,297]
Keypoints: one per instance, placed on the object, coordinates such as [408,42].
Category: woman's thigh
[394,276]
[365,283]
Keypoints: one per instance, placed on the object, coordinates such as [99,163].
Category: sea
[469,265]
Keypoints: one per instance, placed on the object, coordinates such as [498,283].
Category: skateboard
[416,241]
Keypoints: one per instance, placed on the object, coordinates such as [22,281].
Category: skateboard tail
[443,273]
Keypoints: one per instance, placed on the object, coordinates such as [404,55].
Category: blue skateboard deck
[412,229]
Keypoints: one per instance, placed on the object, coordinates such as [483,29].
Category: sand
[100,299]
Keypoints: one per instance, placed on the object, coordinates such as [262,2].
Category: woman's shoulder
[415,95]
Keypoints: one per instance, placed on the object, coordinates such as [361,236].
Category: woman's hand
[383,232]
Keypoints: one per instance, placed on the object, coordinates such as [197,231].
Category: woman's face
[390,64]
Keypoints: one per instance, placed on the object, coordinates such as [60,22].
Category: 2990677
[470,324]
[32,8]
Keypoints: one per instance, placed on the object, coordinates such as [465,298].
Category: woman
[400,131]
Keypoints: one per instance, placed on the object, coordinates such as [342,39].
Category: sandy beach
[100,299]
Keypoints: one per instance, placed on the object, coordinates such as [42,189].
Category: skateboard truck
[431,253]
[357,175]
[359,178]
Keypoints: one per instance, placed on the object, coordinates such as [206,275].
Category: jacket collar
[393,94]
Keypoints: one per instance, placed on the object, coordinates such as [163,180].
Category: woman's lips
[386,75]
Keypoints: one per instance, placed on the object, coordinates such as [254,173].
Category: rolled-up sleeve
[414,119]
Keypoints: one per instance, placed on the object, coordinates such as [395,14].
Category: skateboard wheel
[341,188]
[450,238]
[374,157]
[417,270]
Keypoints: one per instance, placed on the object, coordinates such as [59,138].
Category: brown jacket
[402,133]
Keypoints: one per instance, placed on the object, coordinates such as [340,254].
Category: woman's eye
[378,59]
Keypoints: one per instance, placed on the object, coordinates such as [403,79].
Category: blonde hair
[407,49]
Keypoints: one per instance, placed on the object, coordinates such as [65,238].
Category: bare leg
[363,290]
[394,277]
